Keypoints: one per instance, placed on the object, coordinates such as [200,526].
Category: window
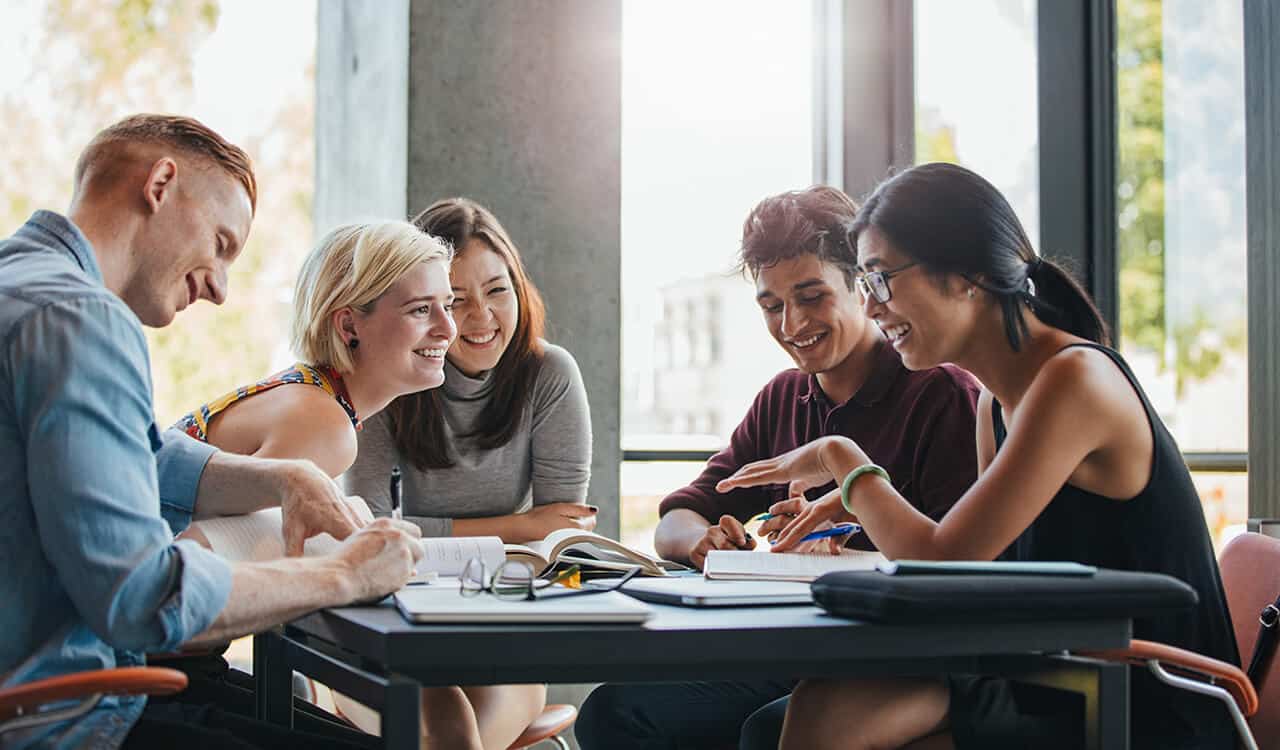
[976,102]
[716,114]
[1180,228]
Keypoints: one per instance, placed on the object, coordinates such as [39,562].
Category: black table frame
[372,655]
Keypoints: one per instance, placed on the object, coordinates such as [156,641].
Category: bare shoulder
[1084,372]
[302,421]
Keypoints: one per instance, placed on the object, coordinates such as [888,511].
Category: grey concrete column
[1262,145]
[517,105]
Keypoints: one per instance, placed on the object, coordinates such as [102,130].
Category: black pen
[395,492]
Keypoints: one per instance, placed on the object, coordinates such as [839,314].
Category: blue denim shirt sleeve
[92,452]
[179,464]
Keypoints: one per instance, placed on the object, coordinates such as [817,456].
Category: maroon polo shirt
[919,426]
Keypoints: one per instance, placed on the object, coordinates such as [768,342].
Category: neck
[844,380]
[110,236]
[1001,370]
[368,396]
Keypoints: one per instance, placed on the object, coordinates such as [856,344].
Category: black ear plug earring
[353,343]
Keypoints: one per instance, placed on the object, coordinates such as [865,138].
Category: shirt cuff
[204,586]
[179,464]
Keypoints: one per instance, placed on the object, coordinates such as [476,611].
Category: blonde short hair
[353,266]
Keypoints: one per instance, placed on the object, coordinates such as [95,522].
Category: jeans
[676,715]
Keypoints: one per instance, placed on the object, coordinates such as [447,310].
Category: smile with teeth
[896,332]
[480,339]
[431,353]
[805,343]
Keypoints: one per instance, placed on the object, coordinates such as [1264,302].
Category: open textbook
[589,550]
[257,536]
[742,565]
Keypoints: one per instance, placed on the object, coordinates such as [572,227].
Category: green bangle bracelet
[848,482]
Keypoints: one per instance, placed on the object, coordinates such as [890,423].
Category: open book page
[593,550]
[448,555]
[741,565]
[255,537]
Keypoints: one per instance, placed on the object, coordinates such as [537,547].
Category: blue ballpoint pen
[839,529]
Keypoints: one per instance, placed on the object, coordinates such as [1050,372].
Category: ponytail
[1061,302]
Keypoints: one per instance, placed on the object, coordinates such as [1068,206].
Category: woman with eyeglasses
[1074,464]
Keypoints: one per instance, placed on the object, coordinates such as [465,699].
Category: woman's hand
[808,518]
[811,465]
[541,520]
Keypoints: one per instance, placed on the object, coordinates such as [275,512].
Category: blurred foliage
[1193,346]
[101,61]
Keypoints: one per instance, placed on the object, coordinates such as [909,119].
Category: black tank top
[1160,530]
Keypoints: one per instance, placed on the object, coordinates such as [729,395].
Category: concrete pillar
[517,105]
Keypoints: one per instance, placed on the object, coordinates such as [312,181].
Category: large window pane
[716,114]
[1180,186]
[975,85]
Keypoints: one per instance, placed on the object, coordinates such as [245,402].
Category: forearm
[233,484]
[678,532]
[265,594]
[511,528]
[896,527]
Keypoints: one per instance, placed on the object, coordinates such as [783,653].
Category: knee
[605,720]
[763,729]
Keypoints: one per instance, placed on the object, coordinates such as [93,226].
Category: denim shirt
[91,492]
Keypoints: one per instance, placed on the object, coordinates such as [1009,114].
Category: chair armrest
[123,681]
[1230,677]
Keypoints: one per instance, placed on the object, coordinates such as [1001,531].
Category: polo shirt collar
[885,369]
[70,237]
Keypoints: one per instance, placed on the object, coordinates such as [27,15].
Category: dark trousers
[217,711]
[679,715]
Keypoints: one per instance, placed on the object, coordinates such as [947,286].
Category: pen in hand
[395,493]
[839,529]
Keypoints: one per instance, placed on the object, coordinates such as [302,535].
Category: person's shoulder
[1082,371]
[557,363]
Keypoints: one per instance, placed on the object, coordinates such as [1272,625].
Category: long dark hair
[951,220]
[417,422]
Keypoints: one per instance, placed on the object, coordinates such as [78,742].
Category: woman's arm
[1077,405]
[560,431]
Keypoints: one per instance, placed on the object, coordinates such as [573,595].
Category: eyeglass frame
[867,288]
[536,588]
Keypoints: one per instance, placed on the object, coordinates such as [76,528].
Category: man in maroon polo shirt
[920,426]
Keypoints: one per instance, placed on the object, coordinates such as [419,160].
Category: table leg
[274,690]
[1104,686]
[401,714]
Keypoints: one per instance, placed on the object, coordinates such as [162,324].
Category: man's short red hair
[183,133]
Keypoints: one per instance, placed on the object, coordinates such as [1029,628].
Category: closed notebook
[741,565]
[443,604]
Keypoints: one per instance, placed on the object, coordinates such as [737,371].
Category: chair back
[1250,566]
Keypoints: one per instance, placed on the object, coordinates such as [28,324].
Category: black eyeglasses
[876,283]
[514,580]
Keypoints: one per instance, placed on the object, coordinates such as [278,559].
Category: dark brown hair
[417,422]
[814,220]
[183,133]
[951,220]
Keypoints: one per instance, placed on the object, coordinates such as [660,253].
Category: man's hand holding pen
[729,533]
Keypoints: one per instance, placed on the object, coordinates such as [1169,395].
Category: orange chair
[553,720]
[20,705]
[1250,567]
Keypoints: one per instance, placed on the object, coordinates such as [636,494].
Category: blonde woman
[371,322]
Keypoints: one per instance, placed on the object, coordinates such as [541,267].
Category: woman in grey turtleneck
[504,447]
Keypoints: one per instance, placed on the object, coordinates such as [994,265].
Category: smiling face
[811,312]
[485,308]
[183,251]
[403,339]
[926,321]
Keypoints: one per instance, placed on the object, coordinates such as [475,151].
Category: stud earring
[970,292]
[353,343]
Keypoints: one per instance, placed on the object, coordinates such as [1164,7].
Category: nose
[216,286]
[793,320]
[871,306]
[443,325]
